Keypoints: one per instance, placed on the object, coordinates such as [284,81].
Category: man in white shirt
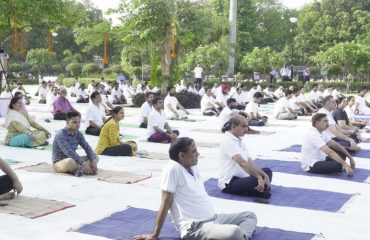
[339,135]
[202,91]
[328,91]
[117,96]
[269,94]
[82,96]
[223,96]
[252,111]
[240,98]
[158,128]
[145,109]
[320,154]
[43,92]
[7,93]
[91,87]
[315,96]
[360,103]
[104,100]
[279,93]
[282,110]
[238,173]
[172,108]
[95,115]
[285,73]
[229,111]
[198,76]
[215,90]
[306,74]
[208,104]
[192,89]
[184,195]
[21,89]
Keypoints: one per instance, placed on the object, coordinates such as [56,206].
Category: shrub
[15,67]
[57,69]
[188,100]
[138,99]
[74,69]
[90,69]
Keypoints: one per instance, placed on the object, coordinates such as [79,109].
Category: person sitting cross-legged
[146,109]
[158,128]
[109,139]
[252,110]
[23,131]
[239,174]
[64,155]
[9,182]
[95,115]
[282,110]
[82,96]
[117,96]
[320,154]
[62,106]
[208,104]
[191,208]
[172,108]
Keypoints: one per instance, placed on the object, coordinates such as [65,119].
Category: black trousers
[60,116]
[245,186]
[328,166]
[119,150]
[81,100]
[93,131]
[143,125]
[6,184]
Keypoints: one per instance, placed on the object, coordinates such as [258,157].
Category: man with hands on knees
[238,173]
[184,195]
[66,141]
[9,182]
[321,154]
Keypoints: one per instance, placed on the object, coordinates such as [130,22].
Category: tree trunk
[165,52]
[232,21]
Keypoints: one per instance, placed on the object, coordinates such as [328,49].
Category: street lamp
[293,20]
[54,34]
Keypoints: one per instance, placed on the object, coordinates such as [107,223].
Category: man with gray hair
[184,195]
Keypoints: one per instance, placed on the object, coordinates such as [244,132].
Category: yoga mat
[290,197]
[280,125]
[126,224]
[206,130]
[156,156]
[128,125]
[207,144]
[127,137]
[262,133]
[103,175]
[32,207]
[363,153]
[294,167]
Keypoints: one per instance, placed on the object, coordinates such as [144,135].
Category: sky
[105,4]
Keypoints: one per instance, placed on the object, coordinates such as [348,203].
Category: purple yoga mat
[294,167]
[124,225]
[290,197]
[363,153]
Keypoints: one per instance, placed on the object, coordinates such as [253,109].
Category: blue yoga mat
[124,225]
[363,153]
[294,167]
[290,197]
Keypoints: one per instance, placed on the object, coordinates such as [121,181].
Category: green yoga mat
[128,125]
[128,137]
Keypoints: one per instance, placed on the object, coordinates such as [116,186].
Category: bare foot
[7,196]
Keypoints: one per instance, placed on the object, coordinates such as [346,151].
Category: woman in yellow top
[109,139]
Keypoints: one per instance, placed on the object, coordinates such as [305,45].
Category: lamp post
[293,20]
[54,34]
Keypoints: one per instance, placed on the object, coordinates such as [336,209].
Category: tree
[74,69]
[90,69]
[353,59]
[262,60]
[41,60]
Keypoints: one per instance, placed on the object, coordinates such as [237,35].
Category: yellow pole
[105,57]
[173,53]
[50,47]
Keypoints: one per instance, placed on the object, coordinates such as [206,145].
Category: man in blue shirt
[66,141]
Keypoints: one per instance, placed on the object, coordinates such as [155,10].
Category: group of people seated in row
[325,149]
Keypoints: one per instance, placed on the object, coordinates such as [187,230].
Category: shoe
[142,153]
